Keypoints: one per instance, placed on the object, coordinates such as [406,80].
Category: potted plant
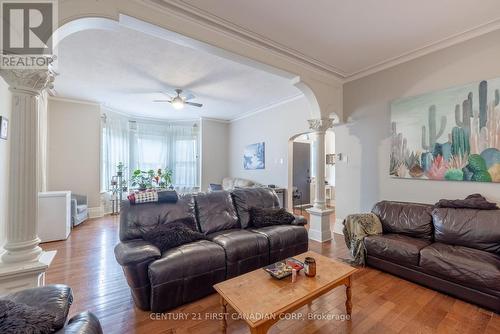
[120,168]
[141,179]
[124,186]
[165,178]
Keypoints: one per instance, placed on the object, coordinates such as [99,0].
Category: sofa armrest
[82,323]
[299,220]
[135,251]
[55,299]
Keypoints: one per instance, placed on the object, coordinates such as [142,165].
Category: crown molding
[72,100]
[201,16]
[209,20]
[265,108]
[216,120]
[427,49]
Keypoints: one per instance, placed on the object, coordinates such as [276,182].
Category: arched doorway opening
[302,180]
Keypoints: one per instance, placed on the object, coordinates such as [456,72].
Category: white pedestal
[319,224]
[25,275]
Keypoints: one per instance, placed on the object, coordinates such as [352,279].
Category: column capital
[31,81]
[320,125]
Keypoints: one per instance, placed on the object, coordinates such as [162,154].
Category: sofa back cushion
[479,229]
[216,211]
[246,198]
[135,220]
[411,219]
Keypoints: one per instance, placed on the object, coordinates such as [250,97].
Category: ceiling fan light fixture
[177,103]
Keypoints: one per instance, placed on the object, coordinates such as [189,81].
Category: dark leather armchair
[57,299]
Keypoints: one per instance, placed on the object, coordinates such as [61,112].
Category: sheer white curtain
[152,146]
[183,153]
[115,148]
[168,146]
[149,146]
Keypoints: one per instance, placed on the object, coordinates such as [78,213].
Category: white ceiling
[355,36]
[125,70]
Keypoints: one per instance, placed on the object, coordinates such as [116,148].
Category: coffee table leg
[223,304]
[348,303]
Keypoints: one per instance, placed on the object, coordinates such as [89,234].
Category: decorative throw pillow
[21,318]
[167,236]
[186,221]
[260,217]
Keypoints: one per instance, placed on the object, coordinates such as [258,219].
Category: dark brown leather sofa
[455,251]
[160,282]
[57,300]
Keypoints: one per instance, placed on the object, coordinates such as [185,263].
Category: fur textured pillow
[170,235]
[18,318]
[186,221]
[260,217]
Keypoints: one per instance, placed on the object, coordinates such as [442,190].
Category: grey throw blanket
[356,228]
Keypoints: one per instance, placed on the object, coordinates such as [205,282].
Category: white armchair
[79,209]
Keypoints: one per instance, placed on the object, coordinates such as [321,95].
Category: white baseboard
[337,228]
[96,212]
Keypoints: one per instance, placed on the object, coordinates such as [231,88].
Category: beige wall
[274,127]
[214,152]
[74,148]
[364,178]
[5,106]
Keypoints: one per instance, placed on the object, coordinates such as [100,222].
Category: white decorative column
[319,220]
[23,263]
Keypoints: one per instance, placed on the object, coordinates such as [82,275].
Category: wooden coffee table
[261,300]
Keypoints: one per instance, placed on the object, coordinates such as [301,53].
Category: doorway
[301,177]
[300,172]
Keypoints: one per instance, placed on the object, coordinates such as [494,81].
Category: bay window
[147,145]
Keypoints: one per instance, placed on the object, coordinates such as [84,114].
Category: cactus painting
[449,135]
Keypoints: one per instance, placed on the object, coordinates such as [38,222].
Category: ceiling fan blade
[194,104]
[167,94]
[169,101]
[189,96]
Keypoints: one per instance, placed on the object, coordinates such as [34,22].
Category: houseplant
[120,168]
[141,180]
[161,178]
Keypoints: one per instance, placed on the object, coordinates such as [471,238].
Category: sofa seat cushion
[396,247]
[185,273]
[284,241]
[467,266]
[245,250]
[411,219]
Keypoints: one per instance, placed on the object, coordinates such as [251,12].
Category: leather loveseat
[455,251]
[57,300]
[162,281]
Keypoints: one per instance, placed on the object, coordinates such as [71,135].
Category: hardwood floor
[382,303]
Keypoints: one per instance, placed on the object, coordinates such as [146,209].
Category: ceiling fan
[179,101]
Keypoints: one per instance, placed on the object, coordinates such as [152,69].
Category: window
[149,145]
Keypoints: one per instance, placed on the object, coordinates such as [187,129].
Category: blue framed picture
[254,156]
